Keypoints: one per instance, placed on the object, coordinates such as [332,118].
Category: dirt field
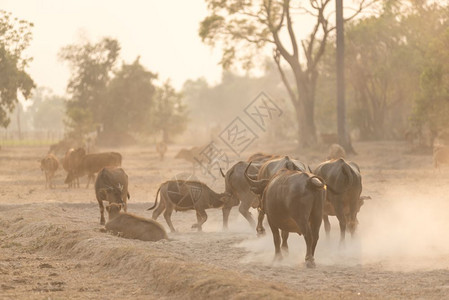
[51,246]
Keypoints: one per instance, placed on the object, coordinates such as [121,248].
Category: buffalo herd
[293,197]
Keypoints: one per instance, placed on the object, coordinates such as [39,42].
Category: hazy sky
[163,33]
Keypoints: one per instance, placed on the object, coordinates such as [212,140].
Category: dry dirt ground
[51,246]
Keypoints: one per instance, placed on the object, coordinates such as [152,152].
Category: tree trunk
[343,136]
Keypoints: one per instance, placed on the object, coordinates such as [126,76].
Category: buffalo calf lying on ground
[133,227]
[112,186]
[49,165]
[293,202]
[182,195]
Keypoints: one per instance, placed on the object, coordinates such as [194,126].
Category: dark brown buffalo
[189,154]
[261,158]
[133,227]
[293,202]
[239,190]
[344,186]
[90,164]
[49,165]
[69,166]
[111,185]
[268,170]
[182,195]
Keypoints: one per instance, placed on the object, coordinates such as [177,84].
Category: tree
[244,28]
[15,37]
[130,99]
[92,66]
[47,111]
[169,114]
[431,106]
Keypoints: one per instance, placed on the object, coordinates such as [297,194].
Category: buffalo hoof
[260,232]
[310,263]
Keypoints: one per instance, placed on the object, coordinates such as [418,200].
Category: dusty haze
[52,245]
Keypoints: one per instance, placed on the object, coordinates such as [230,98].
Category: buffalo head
[256,186]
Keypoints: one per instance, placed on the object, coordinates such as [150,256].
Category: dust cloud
[403,230]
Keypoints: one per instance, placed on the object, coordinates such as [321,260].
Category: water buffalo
[91,164]
[182,195]
[440,156]
[344,186]
[293,202]
[111,185]
[161,148]
[133,227]
[336,151]
[69,163]
[239,189]
[260,157]
[268,170]
[49,165]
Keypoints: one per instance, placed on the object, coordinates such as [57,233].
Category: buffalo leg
[276,241]
[159,209]
[201,217]
[284,235]
[341,219]
[226,211]
[167,215]
[89,178]
[315,223]
[244,210]
[100,204]
[307,233]
[259,229]
[327,225]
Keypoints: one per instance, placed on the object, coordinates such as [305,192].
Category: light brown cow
[133,227]
[90,164]
[49,165]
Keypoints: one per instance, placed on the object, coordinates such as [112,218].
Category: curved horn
[317,181]
[310,170]
[256,186]
[248,179]
[222,174]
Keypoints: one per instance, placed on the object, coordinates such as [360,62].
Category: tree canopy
[243,28]
[15,37]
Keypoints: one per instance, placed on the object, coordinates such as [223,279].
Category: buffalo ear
[315,182]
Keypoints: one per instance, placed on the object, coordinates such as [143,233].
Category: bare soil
[52,246]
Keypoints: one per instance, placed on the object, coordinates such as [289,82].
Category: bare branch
[275,32]
[277,59]
[291,33]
